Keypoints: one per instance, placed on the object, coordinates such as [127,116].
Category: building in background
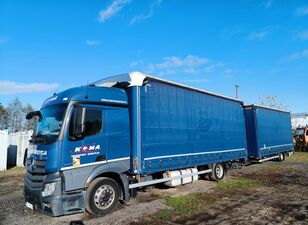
[12,148]
[299,120]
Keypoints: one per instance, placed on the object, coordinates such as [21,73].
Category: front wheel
[218,172]
[102,196]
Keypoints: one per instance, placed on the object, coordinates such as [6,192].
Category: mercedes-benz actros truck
[95,145]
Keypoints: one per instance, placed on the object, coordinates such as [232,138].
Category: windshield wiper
[43,138]
[39,138]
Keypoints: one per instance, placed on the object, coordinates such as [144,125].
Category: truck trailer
[269,133]
[97,144]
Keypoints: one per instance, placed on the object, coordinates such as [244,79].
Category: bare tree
[13,117]
[4,122]
[27,124]
[14,110]
[272,102]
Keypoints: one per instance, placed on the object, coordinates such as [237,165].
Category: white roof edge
[133,78]
[266,107]
[136,78]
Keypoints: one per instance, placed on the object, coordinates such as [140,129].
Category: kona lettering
[87,148]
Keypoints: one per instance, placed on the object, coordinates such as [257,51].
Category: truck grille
[36,166]
[35,173]
[34,180]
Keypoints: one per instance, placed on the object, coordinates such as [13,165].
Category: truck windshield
[299,132]
[48,126]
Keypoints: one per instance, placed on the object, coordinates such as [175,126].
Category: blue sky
[48,46]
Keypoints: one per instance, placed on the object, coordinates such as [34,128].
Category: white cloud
[170,65]
[258,36]
[302,11]
[9,87]
[147,15]
[175,62]
[303,35]
[201,70]
[115,7]
[295,56]
[92,42]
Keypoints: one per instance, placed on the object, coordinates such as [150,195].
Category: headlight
[49,189]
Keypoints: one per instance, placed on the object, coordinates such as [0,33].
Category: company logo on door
[87,150]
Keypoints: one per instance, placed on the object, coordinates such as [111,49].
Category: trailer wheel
[281,157]
[102,196]
[218,172]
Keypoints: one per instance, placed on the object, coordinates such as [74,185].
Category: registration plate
[29,205]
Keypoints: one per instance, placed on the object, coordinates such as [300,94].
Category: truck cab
[80,134]
[301,138]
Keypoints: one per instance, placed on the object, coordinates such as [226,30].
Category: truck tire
[102,196]
[218,172]
[281,157]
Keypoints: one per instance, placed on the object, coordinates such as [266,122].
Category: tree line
[13,116]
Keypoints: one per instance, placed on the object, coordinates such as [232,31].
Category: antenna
[236,90]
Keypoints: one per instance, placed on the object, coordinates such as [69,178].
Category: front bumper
[57,204]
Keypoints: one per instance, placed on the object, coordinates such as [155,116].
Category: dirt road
[268,193]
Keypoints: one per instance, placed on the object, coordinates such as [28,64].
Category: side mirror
[78,122]
[30,115]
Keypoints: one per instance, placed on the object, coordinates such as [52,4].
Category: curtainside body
[268,132]
[181,127]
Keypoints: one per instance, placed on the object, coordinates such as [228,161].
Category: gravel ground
[282,200]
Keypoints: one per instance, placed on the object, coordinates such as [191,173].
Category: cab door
[90,148]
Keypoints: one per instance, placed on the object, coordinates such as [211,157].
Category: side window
[93,122]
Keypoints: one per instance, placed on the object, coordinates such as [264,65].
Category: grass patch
[187,206]
[184,206]
[271,167]
[298,157]
[16,168]
[237,184]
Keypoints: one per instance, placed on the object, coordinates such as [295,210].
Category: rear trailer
[268,132]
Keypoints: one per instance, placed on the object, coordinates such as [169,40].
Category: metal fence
[12,148]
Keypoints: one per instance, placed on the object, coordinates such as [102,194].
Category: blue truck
[95,145]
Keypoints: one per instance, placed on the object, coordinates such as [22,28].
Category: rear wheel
[281,157]
[218,172]
[102,196]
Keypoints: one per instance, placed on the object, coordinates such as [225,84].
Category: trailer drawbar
[97,144]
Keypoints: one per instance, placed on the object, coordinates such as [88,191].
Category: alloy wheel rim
[104,196]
